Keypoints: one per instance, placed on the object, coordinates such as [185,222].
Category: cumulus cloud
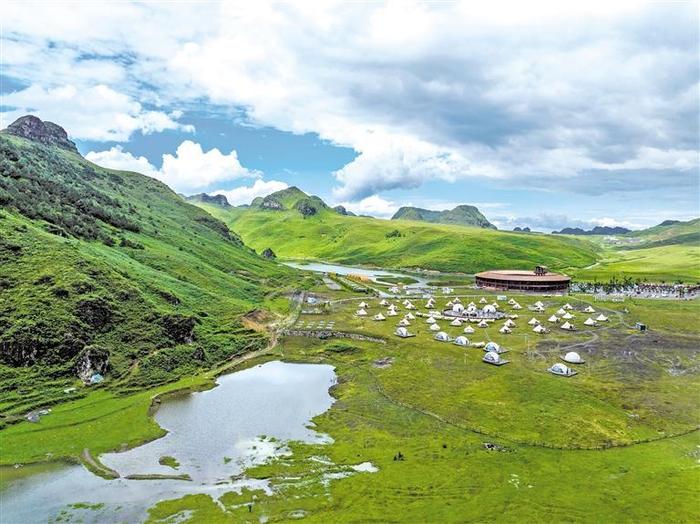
[245,194]
[96,113]
[190,169]
[539,91]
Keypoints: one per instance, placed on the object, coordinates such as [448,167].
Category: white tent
[562,370]
[379,316]
[404,322]
[449,304]
[406,301]
[457,300]
[573,358]
[589,322]
[567,316]
[553,319]
[402,332]
[471,304]
[363,305]
[561,312]
[517,306]
[492,346]
[434,327]
[410,316]
[538,308]
[429,305]
[456,322]
[483,324]
[589,309]
[430,320]
[512,301]
[504,330]
[533,321]
[471,309]
[462,341]
[538,304]
[493,358]
[601,318]
[567,326]
[393,306]
[567,306]
[539,329]
[509,323]
[469,329]
[442,336]
[384,302]
[489,309]
[457,308]
[361,313]
[513,316]
[482,300]
[410,306]
[495,304]
[391,313]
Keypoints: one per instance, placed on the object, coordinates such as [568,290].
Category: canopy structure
[361,313]
[567,326]
[589,309]
[410,316]
[561,370]
[554,319]
[573,358]
[539,329]
[533,321]
[505,330]
[589,322]
[601,318]
[469,330]
[379,316]
[363,305]
[404,322]
[483,324]
[442,336]
[489,309]
[461,341]
[567,316]
[561,312]
[431,320]
[434,327]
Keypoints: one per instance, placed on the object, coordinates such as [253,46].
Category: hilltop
[131,281]
[218,200]
[464,215]
[283,221]
[597,230]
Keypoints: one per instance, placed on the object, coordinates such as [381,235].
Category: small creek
[213,434]
[373,274]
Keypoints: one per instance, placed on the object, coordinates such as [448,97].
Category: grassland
[616,443]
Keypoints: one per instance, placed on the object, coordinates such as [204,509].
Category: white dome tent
[442,337]
[573,358]
[492,346]
[461,341]
[494,358]
[489,309]
[403,332]
[457,308]
[561,370]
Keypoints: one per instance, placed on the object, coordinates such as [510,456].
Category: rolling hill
[111,272]
[460,215]
[297,226]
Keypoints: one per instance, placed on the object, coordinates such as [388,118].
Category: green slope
[111,271]
[329,236]
[460,215]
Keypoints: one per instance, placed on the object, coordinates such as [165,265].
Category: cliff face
[47,133]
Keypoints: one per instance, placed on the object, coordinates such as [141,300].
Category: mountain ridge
[463,215]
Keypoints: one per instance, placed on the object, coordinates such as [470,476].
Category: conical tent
[384,302]
[402,332]
[483,324]
[379,316]
[589,322]
[553,318]
[430,320]
[509,323]
[434,327]
[363,305]
[538,304]
[561,312]
[456,322]
[601,318]
[567,316]
[567,306]
[589,309]
[539,329]
[482,300]
[533,321]
[404,322]
[361,313]
[469,329]
[505,330]
[392,313]
[410,316]
[567,326]
[517,306]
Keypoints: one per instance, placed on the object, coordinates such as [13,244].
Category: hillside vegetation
[295,233]
[461,215]
[111,272]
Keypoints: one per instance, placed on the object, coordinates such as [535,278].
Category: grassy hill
[460,215]
[112,272]
[327,235]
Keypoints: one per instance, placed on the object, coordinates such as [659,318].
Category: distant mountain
[666,223]
[43,132]
[217,200]
[597,230]
[342,211]
[669,232]
[294,198]
[463,215]
[522,229]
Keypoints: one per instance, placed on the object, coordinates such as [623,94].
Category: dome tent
[457,308]
[441,337]
[402,332]
[461,341]
[573,358]
[561,370]
[489,309]
[494,358]
[434,327]
[492,346]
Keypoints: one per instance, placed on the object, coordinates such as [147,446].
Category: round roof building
[541,280]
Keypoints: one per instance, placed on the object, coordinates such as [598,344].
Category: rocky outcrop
[92,360]
[217,200]
[306,208]
[341,210]
[271,203]
[47,133]
[179,328]
[269,254]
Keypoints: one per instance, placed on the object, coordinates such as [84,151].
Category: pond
[214,435]
[374,274]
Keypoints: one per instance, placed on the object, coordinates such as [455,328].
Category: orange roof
[517,275]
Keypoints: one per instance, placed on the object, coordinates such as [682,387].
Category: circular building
[541,280]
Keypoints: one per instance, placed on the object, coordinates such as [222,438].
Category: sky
[542,114]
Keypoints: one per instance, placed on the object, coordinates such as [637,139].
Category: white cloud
[374,205]
[245,194]
[189,170]
[95,113]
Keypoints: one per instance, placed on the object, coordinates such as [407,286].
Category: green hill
[111,272]
[327,235]
[668,233]
[462,215]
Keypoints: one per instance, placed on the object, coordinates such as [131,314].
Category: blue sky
[545,115]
